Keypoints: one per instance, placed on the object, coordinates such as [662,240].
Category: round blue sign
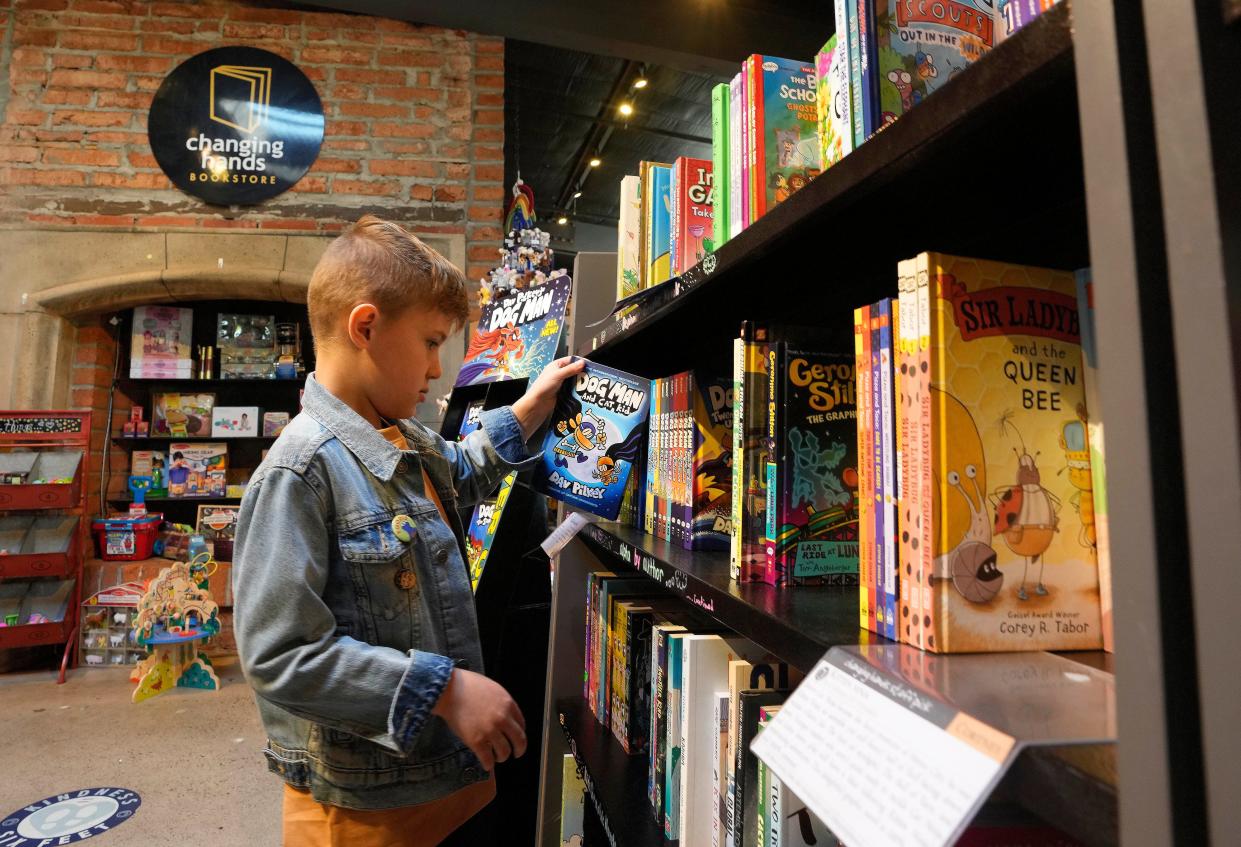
[71,817]
[236,125]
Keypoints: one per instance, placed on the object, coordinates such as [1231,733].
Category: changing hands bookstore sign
[236,125]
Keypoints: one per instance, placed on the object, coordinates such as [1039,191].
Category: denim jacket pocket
[384,570]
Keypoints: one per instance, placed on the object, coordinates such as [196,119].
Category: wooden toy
[174,614]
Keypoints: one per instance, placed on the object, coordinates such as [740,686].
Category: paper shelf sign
[891,745]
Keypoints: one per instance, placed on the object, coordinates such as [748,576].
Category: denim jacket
[353,602]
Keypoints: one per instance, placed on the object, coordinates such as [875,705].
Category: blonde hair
[377,261]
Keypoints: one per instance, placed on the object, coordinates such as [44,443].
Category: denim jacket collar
[375,452]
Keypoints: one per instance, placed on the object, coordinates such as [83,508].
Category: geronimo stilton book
[814,491]
[595,435]
[518,335]
[917,47]
[1012,562]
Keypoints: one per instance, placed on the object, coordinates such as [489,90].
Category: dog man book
[597,432]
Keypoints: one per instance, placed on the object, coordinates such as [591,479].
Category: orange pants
[308,823]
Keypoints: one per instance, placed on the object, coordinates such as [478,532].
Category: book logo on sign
[228,84]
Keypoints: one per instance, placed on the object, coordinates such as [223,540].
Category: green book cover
[719,161]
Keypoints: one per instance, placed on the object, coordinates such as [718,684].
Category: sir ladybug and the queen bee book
[518,335]
[595,435]
[1008,559]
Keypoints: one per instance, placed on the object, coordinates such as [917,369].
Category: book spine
[736,148]
[888,433]
[774,377]
[745,144]
[868,43]
[654,775]
[859,374]
[589,637]
[652,457]
[866,469]
[615,641]
[644,224]
[908,446]
[691,457]
[876,465]
[855,71]
[657,413]
[842,76]
[738,457]
[925,627]
[688,650]
[676,216]
[760,175]
[719,164]
[672,762]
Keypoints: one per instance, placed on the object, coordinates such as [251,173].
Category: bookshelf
[244,453]
[1068,146]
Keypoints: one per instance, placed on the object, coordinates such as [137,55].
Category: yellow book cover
[1012,568]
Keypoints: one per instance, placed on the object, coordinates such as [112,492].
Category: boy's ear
[360,324]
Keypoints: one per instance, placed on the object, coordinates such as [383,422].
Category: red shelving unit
[48,433]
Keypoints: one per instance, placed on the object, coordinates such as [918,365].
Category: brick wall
[415,120]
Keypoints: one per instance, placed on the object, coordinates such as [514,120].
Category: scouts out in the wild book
[518,335]
[482,529]
[595,435]
[1009,559]
[917,47]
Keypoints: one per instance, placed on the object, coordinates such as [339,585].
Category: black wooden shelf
[615,782]
[988,166]
[797,624]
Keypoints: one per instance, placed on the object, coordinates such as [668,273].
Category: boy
[354,618]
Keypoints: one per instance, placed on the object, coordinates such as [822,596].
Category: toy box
[235,422]
[176,415]
[248,348]
[217,525]
[107,627]
[274,423]
[126,538]
[197,470]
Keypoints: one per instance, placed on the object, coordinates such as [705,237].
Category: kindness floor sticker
[68,818]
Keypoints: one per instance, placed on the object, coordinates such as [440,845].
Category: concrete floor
[193,756]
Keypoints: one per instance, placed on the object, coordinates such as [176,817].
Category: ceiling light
[626,109]
[562,220]
[596,162]
[577,194]
[640,82]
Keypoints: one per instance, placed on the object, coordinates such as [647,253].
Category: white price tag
[880,762]
[571,526]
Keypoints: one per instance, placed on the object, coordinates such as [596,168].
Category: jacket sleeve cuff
[505,435]
[424,681]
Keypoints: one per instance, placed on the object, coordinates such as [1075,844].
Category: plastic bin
[126,539]
[38,491]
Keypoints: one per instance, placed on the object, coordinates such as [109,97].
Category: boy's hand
[540,398]
[483,715]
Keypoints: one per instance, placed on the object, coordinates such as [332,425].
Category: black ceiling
[568,64]
[553,99]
